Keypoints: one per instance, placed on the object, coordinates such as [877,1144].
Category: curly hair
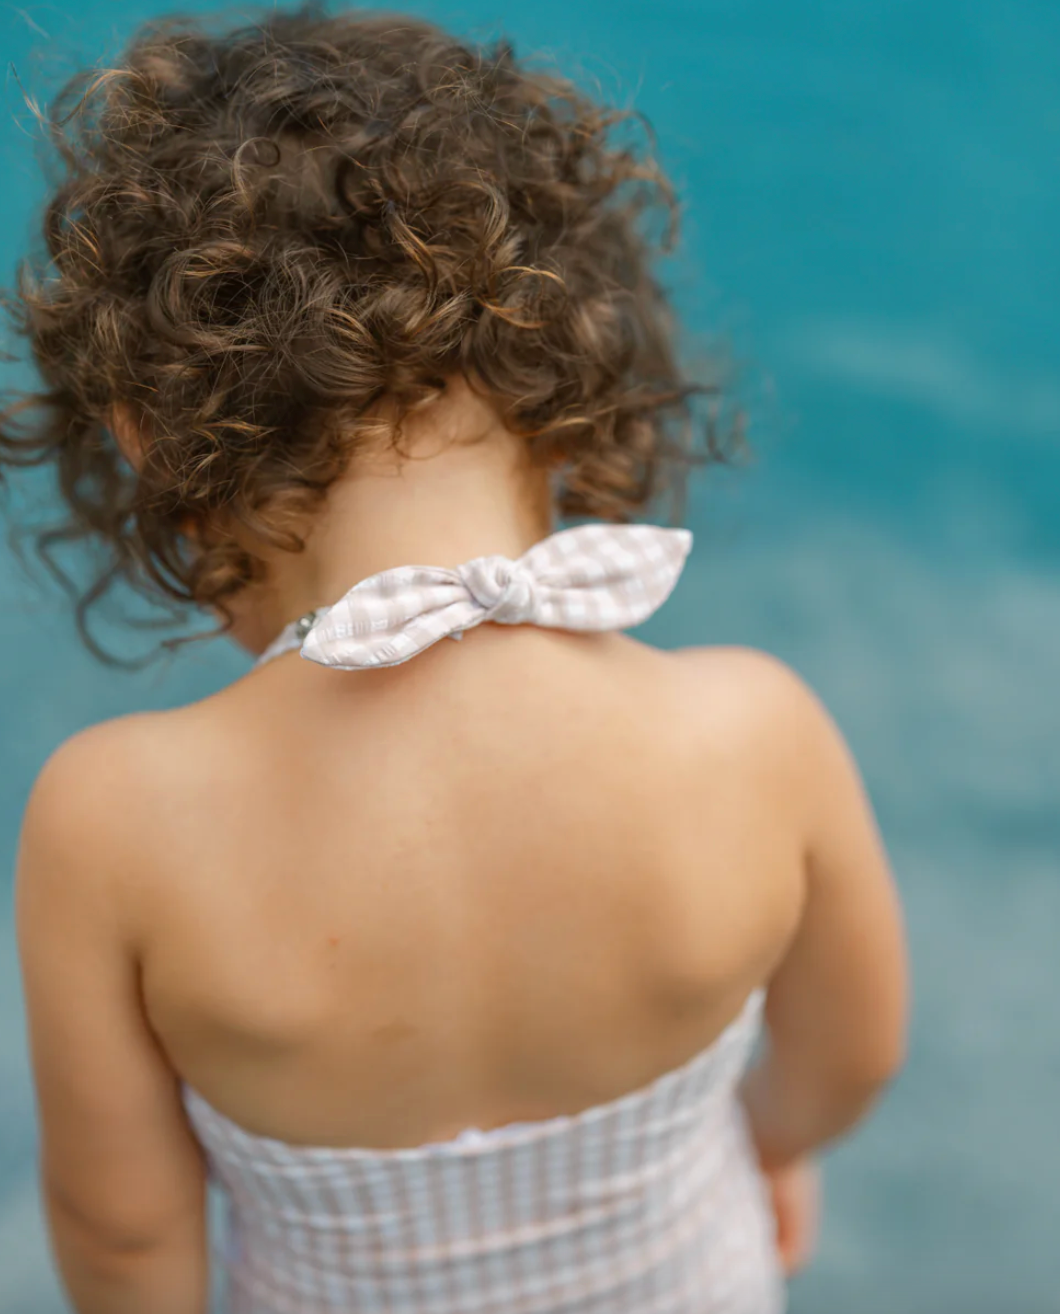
[259,234]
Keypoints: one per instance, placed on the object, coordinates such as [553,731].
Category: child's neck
[450,500]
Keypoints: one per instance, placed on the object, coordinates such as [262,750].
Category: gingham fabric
[649,1204]
[591,577]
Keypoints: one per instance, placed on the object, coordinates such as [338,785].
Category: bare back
[521,875]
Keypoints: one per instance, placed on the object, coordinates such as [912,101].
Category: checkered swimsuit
[649,1204]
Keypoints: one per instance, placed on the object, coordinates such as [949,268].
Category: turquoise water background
[872,193]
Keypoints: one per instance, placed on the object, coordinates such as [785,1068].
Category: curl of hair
[258,235]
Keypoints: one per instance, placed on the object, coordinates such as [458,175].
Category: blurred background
[872,227]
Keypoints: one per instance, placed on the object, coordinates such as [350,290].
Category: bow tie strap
[591,577]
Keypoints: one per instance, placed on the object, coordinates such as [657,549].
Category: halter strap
[590,577]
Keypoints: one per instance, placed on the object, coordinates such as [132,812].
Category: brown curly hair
[260,233]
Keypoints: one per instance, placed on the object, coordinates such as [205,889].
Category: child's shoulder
[764,719]
[108,780]
[757,712]
[105,755]
[124,749]
[88,829]
[749,686]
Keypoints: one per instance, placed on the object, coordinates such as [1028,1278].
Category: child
[444,959]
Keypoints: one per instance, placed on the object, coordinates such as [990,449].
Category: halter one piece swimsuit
[649,1204]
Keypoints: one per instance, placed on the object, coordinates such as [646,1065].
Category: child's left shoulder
[104,760]
[99,793]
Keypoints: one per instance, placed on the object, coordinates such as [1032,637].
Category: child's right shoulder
[763,718]
[750,688]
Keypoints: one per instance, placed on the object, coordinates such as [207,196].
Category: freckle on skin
[333,940]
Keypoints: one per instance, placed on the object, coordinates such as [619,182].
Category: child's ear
[128,427]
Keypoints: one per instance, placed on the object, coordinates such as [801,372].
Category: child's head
[261,235]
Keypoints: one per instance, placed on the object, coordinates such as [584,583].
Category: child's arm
[836,1007]
[122,1178]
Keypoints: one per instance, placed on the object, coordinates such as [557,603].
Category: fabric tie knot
[502,587]
[591,577]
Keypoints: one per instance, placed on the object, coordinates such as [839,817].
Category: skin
[512,878]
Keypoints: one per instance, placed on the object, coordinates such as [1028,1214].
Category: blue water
[872,197]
